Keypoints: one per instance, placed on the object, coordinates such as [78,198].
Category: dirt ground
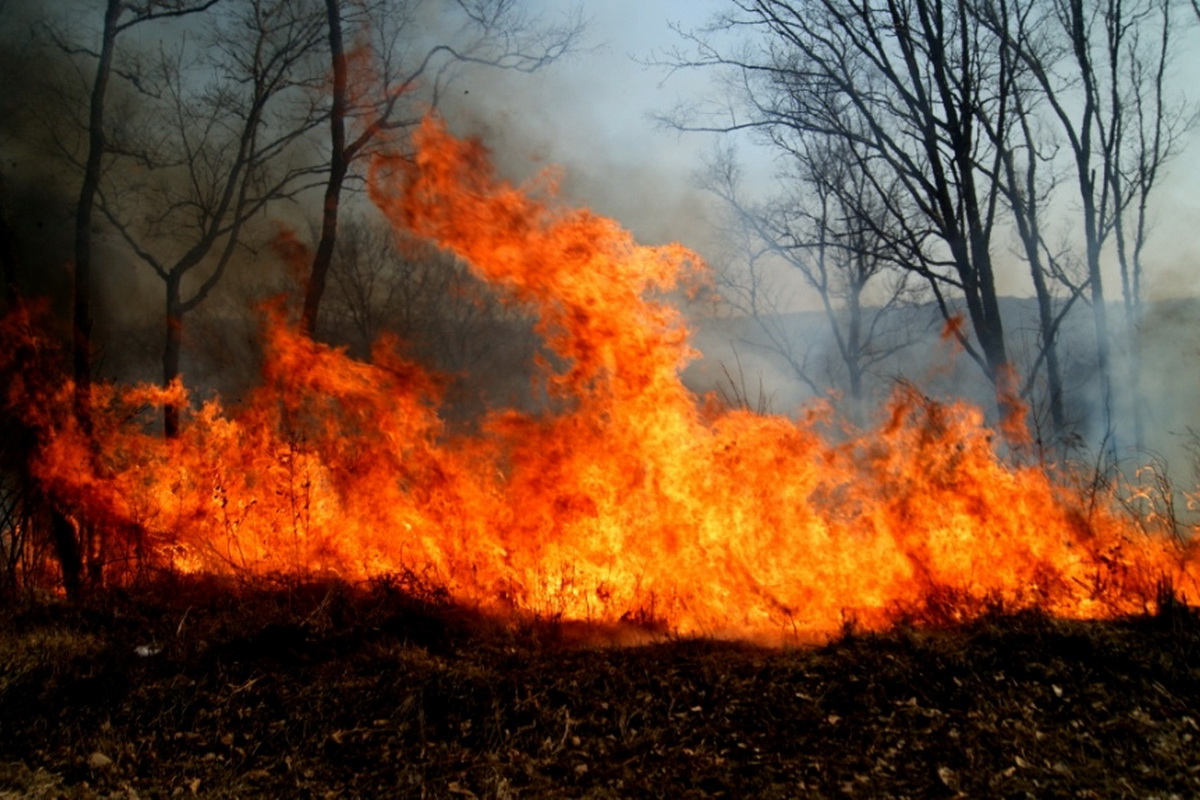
[324,690]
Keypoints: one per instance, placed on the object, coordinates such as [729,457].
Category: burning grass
[626,496]
[327,689]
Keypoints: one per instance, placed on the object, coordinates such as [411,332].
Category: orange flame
[632,498]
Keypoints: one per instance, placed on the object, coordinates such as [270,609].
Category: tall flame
[629,498]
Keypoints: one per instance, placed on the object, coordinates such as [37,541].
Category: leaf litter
[330,690]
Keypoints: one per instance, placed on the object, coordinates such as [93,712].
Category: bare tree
[383,84]
[18,491]
[902,84]
[207,144]
[753,286]
[8,249]
[120,16]
[974,108]
[10,73]
[384,283]
[237,99]
[1146,139]
[71,544]
[1027,181]
[1099,68]
[828,226]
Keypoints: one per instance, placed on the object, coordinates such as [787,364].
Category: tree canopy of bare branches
[224,118]
[970,125]
[827,225]
[388,79]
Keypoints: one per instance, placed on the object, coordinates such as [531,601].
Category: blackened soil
[324,690]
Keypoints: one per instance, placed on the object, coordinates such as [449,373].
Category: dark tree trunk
[67,545]
[1048,329]
[67,550]
[172,349]
[63,537]
[82,301]
[983,308]
[854,361]
[1099,318]
[8,250]
[338,167]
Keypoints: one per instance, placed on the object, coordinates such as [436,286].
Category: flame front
[631,498]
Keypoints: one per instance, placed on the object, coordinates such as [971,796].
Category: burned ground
[330,691]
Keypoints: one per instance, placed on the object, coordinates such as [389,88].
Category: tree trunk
[1099,318]
[8,251]
[70,560]
[983,308]
[1048,330]
[67,545]
[82,301]
[171,354]
[1103,354]
[1131,294]
[63,536]
[1133,372]
[1023,198]
[854,359]
[338,167]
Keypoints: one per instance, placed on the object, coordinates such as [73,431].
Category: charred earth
[323,689]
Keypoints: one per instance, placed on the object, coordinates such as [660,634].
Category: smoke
[42,145]
[37,192]
[591,114]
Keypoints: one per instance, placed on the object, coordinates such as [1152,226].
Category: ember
[630,498]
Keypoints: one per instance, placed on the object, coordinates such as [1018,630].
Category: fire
[630,498]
